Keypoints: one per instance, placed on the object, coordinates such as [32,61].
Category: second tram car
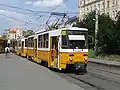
[3,43]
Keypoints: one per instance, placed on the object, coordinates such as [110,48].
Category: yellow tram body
[62,57]
[18,48]
[59,48]
[30,47]
[23,47]
[2,44]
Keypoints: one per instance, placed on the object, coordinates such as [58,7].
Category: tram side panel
[24,48]
[43,48]
[43,55]
[30,49]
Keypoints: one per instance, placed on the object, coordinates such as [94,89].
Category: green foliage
[108,34]
[52,27]
[79,24]
[28,33]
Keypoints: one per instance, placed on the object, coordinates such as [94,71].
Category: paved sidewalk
[18,73]
[105,62]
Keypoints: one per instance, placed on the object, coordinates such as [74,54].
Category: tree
[106,34]
[28,33]
[4,36]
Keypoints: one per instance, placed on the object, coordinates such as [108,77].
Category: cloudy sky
[15,12]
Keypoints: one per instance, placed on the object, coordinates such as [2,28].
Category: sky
[16,16]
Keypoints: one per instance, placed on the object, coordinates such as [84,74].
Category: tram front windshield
[74,39]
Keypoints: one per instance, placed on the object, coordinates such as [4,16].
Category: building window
[98,6]
[108,4]
[116,2]
[87,9]
[113,1]
[113,14]
[80,3]
[95,7]
[91,8]
[108,13]
[84,2]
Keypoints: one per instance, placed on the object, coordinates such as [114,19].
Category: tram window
[26,42]
[38,41]
[80,44]
[41,41]
[19,44]
[64,41]
[46,40]
[32,42]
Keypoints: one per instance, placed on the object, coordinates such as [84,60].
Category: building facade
[110,7]
[14,33]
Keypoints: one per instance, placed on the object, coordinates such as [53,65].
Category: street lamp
[96,29]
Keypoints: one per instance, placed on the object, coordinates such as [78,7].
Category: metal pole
[96,29]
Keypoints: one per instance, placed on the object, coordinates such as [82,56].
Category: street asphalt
[17,73]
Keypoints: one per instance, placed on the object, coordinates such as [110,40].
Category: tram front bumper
[77,66]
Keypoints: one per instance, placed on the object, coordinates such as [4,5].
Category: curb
[105,64]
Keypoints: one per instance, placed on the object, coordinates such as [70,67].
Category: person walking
[7,50]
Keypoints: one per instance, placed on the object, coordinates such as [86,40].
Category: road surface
[99,77]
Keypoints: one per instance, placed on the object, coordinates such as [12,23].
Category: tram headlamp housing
[70,58]
[86,59]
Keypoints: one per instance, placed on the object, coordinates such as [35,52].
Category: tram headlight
[86,59]
[70,58]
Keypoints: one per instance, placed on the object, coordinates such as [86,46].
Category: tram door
[22,47]
[35,49]
[54,51]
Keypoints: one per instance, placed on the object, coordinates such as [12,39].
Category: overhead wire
[16,19]
[36,12]
[51,10]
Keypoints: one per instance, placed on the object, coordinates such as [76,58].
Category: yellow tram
[3,43]
[63,48]
[21,48]
[24,47]
[18,48]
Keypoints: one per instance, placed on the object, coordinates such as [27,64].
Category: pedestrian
[7,50]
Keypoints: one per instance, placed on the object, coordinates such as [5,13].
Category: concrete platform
[18,73]
[105,62]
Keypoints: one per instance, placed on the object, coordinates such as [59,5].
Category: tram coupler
[80,67]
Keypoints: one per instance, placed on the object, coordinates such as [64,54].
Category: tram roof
[31,36]
[77,28]
[70,28]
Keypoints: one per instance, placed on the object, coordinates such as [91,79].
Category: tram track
[103,77]
[93,85]
[96,80]
[108,71]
